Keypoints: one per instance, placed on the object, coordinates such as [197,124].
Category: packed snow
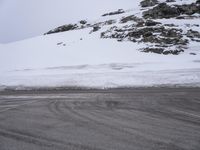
[80,59]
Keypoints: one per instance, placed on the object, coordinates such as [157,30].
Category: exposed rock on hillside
[169,1]
[161,51]
[148,3]
[151,23]
[83,22]
[63,28]
[188,9]
[132,18]
[158,35]
[163,10]
[119,11]
[162,38]
[193,34]
[96,28]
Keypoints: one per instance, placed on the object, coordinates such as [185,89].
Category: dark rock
[151,23]
[148,3]
[147,34]
[198,2]
[196,40]
[119,11]
[164,38]
[165,11]
[140,24]
[96,28]
[109,22]
[161,51]
[103,35]
[136,34]
[173,52]
[188,9]
[187,17]
[63,28]
[196,25]
[169,1]
[172,33]
[180,17]
[154,50]
[161,11]
[193,34]
[83,22]
[120,40]
[132,18]
[59,43]
[170,25]
[193,54]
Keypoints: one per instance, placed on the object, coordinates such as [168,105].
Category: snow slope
[80,58]
[19,18]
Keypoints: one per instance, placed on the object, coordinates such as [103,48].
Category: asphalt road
[120,119]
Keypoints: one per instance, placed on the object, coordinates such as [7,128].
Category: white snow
[77,58]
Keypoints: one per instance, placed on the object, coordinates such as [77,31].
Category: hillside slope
[125,48]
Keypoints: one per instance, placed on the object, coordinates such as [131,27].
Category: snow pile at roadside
[81,58]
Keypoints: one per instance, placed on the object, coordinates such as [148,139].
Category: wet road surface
[118,119]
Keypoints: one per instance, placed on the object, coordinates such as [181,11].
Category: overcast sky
[21,19]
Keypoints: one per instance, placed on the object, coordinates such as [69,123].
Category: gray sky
[21,19]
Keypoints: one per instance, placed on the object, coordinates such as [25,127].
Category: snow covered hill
[153,44]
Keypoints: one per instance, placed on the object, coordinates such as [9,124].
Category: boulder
[193,34]
[161,51]
[147,34]
[188,9]
[151,23]
[119,11]
[161,11]
[153,50]
[96,28]
[172,32]
[132,18]
[109,22]
[148,3]
[83,22]
[169,1]
[63,28]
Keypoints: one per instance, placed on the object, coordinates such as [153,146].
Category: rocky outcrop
[188,9]
[109,22]
[83,22]
[162,38]
[165,11]
[161,11]
[148,3]
[159,38]
[96,28]
[193,34]
[119,11]
[161,51]
[151,23]
[131,18]
[170,1]
[63,28]
[158,35]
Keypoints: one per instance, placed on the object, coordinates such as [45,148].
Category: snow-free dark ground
[117,119]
